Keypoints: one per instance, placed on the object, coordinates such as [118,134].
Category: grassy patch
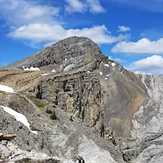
[41,104]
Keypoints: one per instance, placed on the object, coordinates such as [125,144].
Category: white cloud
[38,32]
[75,6]
[22,12]
[152,64]
[54,32]
[93,6]
[38,23]
[142,46]
[37,12]
[99,34]
[123,29]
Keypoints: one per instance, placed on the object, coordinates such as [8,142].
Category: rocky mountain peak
[70,53]
[72,47]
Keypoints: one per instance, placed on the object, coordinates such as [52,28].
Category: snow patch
[101,73]
[19,117]
[44,74]
[106,65]
[113,64]
[7,89]
[31,68]
[108,75]
[69,67]
[54,71]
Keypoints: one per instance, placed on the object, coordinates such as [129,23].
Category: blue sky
[130,32]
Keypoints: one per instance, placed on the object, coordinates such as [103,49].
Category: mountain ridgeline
[84,107]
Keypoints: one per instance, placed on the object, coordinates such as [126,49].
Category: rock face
[147,123]
[93,99]
[83,107]
[71,53]
[79,94]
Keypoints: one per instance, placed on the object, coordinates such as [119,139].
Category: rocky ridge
[83,106]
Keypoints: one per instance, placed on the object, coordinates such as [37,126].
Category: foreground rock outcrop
[81,106]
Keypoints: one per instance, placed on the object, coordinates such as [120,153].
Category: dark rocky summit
[81,106]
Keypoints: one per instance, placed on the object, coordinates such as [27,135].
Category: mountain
[70,103]
[71,53]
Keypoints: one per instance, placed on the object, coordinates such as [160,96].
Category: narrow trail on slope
[28,100]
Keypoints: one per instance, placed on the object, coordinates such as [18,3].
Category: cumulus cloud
[142,46]
[38,32]
[75,6]
[54,32]
[38,23]
[22,12]
[123,28]
[152,64]
[93,6]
